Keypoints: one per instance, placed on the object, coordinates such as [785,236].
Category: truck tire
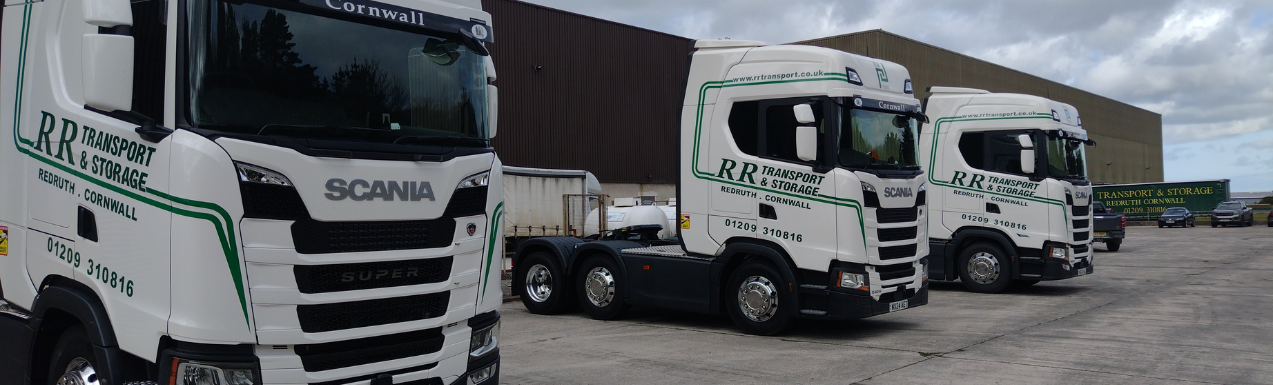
[756,300]
[73,361]
[1213,223]
[984,268]
[1113,244]
[599,290]
[544,287]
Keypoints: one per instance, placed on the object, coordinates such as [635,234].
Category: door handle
[992,208]
[767,212]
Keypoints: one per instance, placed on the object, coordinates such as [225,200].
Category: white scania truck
[1008,189]
[800,195]
[248,192]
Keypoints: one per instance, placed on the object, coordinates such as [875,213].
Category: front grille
[373,275]
[343,354]
[1080,223]
[350,380]
[891,272]
[1080,211]
[349,315]
[1080,236]
[905,214]
[895,252]
[427,381]
[1080,249]
[314,237]
[897,234]
[466,202]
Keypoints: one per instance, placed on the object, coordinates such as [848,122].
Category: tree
[1268,200]
[365,90]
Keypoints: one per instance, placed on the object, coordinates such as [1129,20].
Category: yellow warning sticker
[4,240]
[685,221]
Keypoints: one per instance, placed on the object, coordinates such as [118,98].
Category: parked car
[1176,216]
[1232,213]
[1107,226]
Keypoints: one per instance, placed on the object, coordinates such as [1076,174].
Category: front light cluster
[868,187]
[481,375]
[484,341]
[854,281]
[200,373]
[258,174]
[476,180]
[1060,252]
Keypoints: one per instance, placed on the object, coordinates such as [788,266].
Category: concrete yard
[1174,306]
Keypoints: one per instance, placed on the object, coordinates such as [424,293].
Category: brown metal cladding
[578,92]
[1129,139]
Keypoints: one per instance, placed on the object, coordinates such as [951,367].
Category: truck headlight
[853,281]
[484,341]
[203,373]
[923,266]
[1060,252]
[481,375]
[476,180]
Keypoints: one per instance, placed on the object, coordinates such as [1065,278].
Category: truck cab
[1008,189]
[800,196]
[248,192]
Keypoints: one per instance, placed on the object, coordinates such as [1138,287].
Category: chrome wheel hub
[758,298]
[599,286]
[78,372]
[983,268]
[539,283]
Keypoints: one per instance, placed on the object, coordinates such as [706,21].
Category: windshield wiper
[441,140]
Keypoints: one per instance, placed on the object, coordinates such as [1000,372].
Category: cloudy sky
[1206,66]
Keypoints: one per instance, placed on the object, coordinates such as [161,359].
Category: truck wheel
[599,290]
[73,360]
[1113,244]
[1213,224]
[543,287]
[755,300]
[984,268]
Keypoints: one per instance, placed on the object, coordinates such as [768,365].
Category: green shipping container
[1149,200]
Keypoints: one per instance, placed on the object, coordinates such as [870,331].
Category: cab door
[763,190]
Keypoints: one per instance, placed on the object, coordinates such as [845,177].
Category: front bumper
[1055,269]
[846,306]
[1172,222]
[1233,219]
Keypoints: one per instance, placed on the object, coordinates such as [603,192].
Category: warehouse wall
[1129,139]
[583,93]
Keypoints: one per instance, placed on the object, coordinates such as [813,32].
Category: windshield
[269,71]
[880,140]
[1067,158]
[1174,211]
[1229,206]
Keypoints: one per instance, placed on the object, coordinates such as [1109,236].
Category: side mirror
[807,142]
[804,113]
[108,13]
[492,110]
[108,71]
[1025,141]
[1027,161]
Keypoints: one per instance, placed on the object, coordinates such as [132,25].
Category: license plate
[1099,234]
[1171,221]
[1083,271]
[899,305]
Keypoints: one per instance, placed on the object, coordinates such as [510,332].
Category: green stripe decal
[222,221]
[706,175]
[932,159]
[496,216]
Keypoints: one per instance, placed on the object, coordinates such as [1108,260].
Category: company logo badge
[4,240]
[881,73]
[362,190]
[893,192]
[472,228]
[685,221]
[1081,194]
